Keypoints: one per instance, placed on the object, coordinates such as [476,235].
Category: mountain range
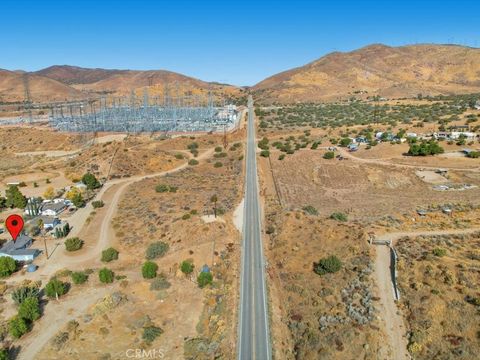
[377,69]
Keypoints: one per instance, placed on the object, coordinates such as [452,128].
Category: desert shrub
[309,209]
[339,216]
[270,229]
[187,267]
[474,154]
[106,275]
[79,277]
[29,309]
[150,333]
[218,164]
[439,252]
[160,283]
[73,244]
[4,354]
[204,279]
[186,216]
[345,142]
[161,188]
[17,327]
[156,249]
[149,270]
[98,204]
[20,294]
[55,288]
[179,156]
[329,155]
[7,266]
[265,153]
[109,254]
[281,157]
[218,149]
[327,265]
[193,162]
[425,148]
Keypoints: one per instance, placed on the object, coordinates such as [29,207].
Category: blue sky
[238,42]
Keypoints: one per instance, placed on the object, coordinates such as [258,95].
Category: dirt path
[55,317]
[394,322]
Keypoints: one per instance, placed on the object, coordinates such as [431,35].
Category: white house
[49,222]
[53,208]
[454,135]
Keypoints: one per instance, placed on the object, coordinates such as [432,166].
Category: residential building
[19,249]
[53,208]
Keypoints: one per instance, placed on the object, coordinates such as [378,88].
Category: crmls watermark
[145,354]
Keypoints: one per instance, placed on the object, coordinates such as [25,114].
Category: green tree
[106,275]
[77,200]
[149,270]
[98,204]
[187,267]
[204,279]
[339,216]
[3,203]
[17,327]
[265,153]
[7,266]
[19,295]
[15,198]
[109,254]
[29,309]
[90,181]
[344,142]
[156,250]
[327,265]
[55,288]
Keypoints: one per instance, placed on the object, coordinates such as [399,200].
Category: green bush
[98,204]
[106,275]
[439,252]
[345,142]
[204,279]
[265,153]
[327,265]
[150,333]
[109,254]
[186,216]
[281,157]
[156,250]
[161,188]
[79,277]
[218,149]
[193,162]
[73,244]
[17,327]
[187,267]
[20,294]
[218,164]
[309,209]
[4,354]
[474,154]
[329,155]
[149,270]
[7,266]
[339,216]
[425,148]
[29,309]
[55,288]
[179,156]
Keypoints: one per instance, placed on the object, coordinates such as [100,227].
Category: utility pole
[27,101]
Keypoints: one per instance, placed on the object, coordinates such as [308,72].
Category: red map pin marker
[14,225]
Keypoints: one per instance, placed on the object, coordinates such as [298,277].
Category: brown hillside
[76,75]
[378,69]
[42,89]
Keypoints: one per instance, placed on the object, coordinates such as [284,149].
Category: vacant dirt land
[439,279]
[363,191]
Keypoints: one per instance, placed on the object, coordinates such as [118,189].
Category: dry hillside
[378,69]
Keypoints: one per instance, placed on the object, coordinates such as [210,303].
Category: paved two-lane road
[253,333]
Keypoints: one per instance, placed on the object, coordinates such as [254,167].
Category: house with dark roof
[53,208]
[19,249]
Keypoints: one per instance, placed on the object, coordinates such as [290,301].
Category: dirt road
[394,323]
